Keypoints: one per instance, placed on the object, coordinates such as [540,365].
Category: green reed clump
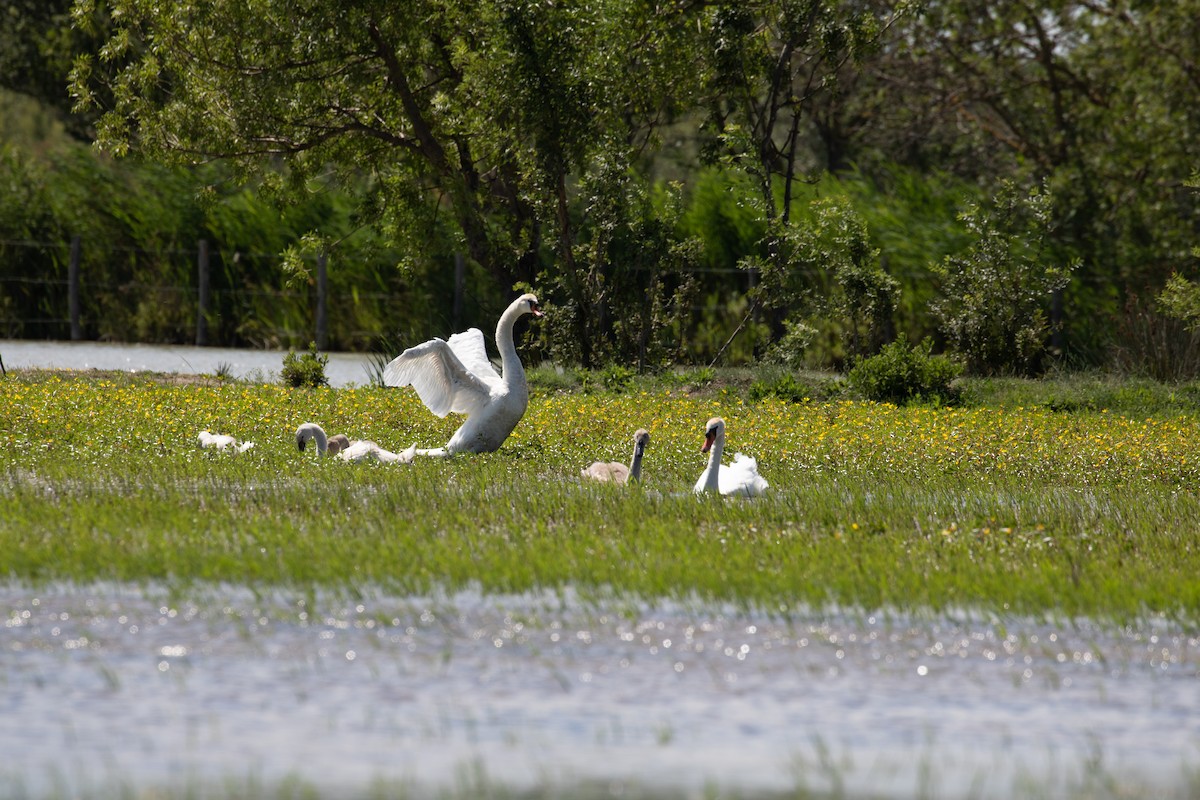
[1006,510]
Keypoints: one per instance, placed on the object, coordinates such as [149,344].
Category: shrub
[797,387]
[613,377]
[785,387]
[901,373]
[1160,341]
[307,369]
[822,267]
[993,295]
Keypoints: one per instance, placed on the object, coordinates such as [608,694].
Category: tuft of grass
[1010,510]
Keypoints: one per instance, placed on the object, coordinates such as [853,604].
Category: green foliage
[613,378]
[512,126]
[824,265]
[1159,341]
[39,41]
[699,377]
[1180,299]
[529,137]
[616,378]
[792,348]
[912,219]
[139,225]
[630,298]
[785,387]
[763,69]
[902,373]
[993,308]
[723,214]
[305,369]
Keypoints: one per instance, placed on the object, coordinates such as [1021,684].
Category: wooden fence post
[73,289]
[460,287]
[202,287]
[322,295]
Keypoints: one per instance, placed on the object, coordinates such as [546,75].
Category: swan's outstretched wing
[441,380]
[472,352]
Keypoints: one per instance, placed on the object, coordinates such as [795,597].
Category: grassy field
[1060,499]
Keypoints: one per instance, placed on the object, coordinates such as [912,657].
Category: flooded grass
[1006,510]
[253,694]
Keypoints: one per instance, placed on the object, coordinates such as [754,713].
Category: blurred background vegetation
[802,182]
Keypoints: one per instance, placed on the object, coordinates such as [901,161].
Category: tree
[995,294]
[38,43]
[767,64]
[1095,100]
[491,112]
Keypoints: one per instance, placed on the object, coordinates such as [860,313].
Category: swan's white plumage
[740,477]
[365,450]
[223,441]
[615,471]
[446,375]
[341,447]
[456,376]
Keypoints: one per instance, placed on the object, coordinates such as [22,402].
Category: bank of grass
[1027,508]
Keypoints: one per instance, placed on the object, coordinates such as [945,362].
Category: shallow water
[119,686]
[343,369]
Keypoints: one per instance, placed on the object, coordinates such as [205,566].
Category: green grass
[1005,509]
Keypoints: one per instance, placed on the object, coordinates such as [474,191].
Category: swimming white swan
[223,441]
[740,477]
[617,472]
[456,376]
[339,445]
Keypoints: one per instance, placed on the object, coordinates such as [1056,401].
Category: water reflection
[343,369]
[115,683]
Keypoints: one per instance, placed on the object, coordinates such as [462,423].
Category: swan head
[640,440]
[714,429]
[528,303]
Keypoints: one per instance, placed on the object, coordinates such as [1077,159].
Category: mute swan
[617,472]
[223,441]
[346,450]
[337,443]
[456,376]
[740,477]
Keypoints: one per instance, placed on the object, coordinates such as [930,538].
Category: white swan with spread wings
[456,376]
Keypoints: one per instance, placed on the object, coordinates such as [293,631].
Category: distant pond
[116,690]
[343,369]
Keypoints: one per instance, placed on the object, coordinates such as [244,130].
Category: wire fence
[52,306]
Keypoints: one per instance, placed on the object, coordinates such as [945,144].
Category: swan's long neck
[311,430]
[510,362]
[635,466]
[712,473]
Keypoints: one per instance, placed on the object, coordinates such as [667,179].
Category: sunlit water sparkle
[117,685]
